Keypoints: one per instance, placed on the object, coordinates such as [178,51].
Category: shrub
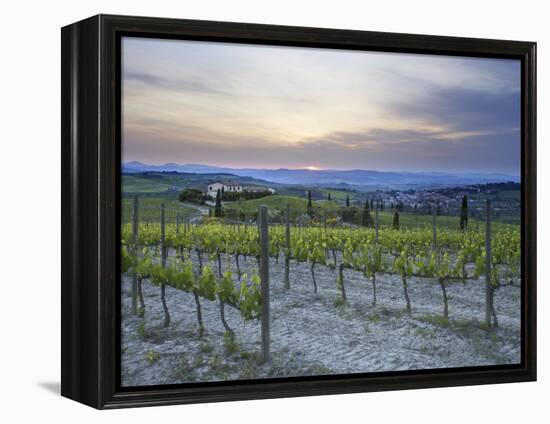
[192,195]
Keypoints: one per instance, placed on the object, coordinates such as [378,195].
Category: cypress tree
[464,214]
[329,198]
[309,204]
[396,220]
[218,206]
[347,201]
[367,218]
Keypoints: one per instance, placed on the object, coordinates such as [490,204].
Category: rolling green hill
[134,184]
[407,220]
[174,180]
[149,209]
[279,203]
[337,194]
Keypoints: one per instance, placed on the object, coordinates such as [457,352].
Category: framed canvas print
[255,211]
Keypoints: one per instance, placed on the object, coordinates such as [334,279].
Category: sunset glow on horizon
[253,106]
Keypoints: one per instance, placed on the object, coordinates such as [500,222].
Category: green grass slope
[133,184]
[149,209]
[411,221]
[279,203]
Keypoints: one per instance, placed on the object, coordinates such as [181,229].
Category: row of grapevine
[372,252]
[145,253]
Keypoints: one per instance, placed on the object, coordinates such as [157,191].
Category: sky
[252,106]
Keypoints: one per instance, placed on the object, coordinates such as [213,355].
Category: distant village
[448,200]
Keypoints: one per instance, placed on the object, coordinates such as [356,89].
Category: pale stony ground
[311,335]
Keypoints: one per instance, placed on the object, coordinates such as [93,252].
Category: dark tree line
[244,195]
[192,195]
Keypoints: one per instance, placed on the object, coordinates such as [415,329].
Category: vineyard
[262,299]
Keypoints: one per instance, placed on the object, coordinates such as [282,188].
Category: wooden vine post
[264,278]
[287,248]
[135,229]
[162,236]
[434,241]
[376,224]
[489,299]
[163,253]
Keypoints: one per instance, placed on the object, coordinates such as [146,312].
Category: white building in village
[225,187]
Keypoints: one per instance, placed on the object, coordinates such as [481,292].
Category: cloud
[378,149]
[175,84]
[463,109]
[411,150]
[252,106]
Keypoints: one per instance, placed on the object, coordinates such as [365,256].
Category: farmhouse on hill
[226,187]
[231,187]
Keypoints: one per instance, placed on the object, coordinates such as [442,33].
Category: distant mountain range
[356,178]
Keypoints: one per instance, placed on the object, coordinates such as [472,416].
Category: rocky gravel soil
[314,334]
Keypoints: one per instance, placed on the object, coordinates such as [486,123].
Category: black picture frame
[90,138]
